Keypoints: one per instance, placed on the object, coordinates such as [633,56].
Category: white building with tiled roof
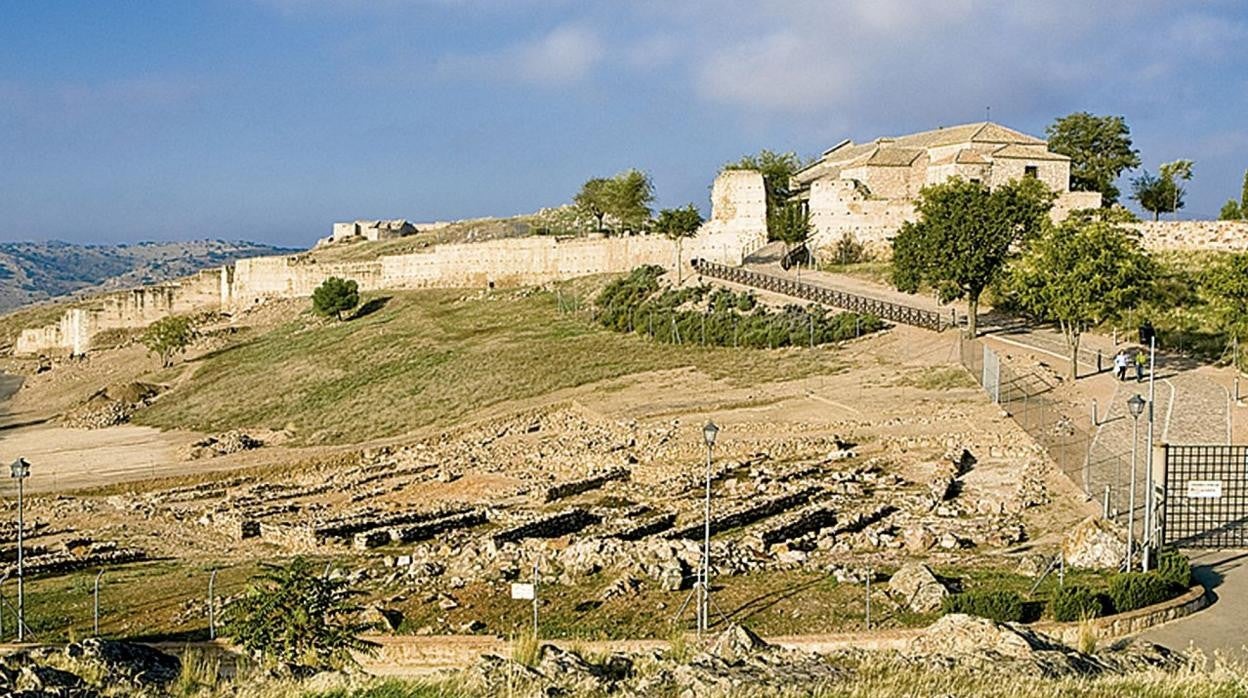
[868,190]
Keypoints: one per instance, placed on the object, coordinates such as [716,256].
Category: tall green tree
[594,199]
[335,296]
[168,337]
[776,169]
[678,224]
[624,198]
[298,615]
[1154,194]
[1080,274]
[1099,148]
[963,237]
[1226,282]
[631,194]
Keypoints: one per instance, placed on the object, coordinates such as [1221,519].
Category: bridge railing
[886,310]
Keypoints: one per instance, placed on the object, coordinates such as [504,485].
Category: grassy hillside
[430,357]
[31,272]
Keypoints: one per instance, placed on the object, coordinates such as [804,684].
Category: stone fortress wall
[1220,236]
[737,227]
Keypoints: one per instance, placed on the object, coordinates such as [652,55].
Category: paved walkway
[1221,627]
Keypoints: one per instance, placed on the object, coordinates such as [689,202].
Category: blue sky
[269,119]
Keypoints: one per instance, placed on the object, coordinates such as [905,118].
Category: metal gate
[1205,497]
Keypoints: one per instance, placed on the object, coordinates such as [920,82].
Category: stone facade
[868,190]
[737,228]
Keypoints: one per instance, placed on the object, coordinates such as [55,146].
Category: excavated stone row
[563,523]
[810,519]
[747,514]
[421,531]
[63,562]
[575,487]
[643,528]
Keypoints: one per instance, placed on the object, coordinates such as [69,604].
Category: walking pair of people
[1139,360]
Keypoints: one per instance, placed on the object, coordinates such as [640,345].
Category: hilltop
[31,272]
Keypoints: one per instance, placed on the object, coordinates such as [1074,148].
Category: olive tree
[168,337]
[1226,282]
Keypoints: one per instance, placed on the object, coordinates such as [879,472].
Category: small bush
[1075,603]
[1174,567]
[1131,590]
[1005,606]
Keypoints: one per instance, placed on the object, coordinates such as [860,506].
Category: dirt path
[64,458]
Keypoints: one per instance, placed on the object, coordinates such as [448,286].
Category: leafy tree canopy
[1163,193]
[1099,148]
[168,337]
[335,296]
[964,234]
[298,615]
[624,198]
[1080,274]
[678,223]
[1226,282]
[1231,211]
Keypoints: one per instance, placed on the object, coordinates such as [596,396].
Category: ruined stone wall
[1225,236]
[737,227]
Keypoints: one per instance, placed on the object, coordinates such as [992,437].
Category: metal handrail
[893,312]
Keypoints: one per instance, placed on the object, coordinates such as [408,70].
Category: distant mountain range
[36,271]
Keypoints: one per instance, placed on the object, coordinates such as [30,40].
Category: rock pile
[110,406]
[119,668]
[233,441]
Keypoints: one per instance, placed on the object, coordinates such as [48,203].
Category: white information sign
[1204,489]
[522,591]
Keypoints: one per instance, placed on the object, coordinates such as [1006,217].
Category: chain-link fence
[1068,437]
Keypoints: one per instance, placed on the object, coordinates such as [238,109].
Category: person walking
[1120,365]
[1141,360]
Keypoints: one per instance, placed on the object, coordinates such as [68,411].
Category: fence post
[95,626]
[1095,418]
[212,615]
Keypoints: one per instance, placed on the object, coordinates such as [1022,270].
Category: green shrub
[1074,603]
[1174,567]
[1131,590]
[1006,606]
[719,317]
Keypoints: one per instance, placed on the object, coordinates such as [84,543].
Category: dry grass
[432,358]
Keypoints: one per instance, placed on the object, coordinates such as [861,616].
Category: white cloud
[565,55]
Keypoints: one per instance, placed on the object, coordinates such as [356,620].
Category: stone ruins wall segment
[737,227]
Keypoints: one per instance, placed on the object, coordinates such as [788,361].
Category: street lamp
[20,470]
[708,435]
[1136,405]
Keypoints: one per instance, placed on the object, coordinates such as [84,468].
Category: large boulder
[1095,543]
[915,587]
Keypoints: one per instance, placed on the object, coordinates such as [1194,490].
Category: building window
[1031,171]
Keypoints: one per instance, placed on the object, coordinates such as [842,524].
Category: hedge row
[1127,591]
[700,315]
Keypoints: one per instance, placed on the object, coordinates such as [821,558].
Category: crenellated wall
[737,227]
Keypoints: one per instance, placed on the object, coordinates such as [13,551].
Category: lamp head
[708,433]
[19,468]
[1136,405]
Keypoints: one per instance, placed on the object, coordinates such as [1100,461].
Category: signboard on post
[522,592]
[1204,489]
